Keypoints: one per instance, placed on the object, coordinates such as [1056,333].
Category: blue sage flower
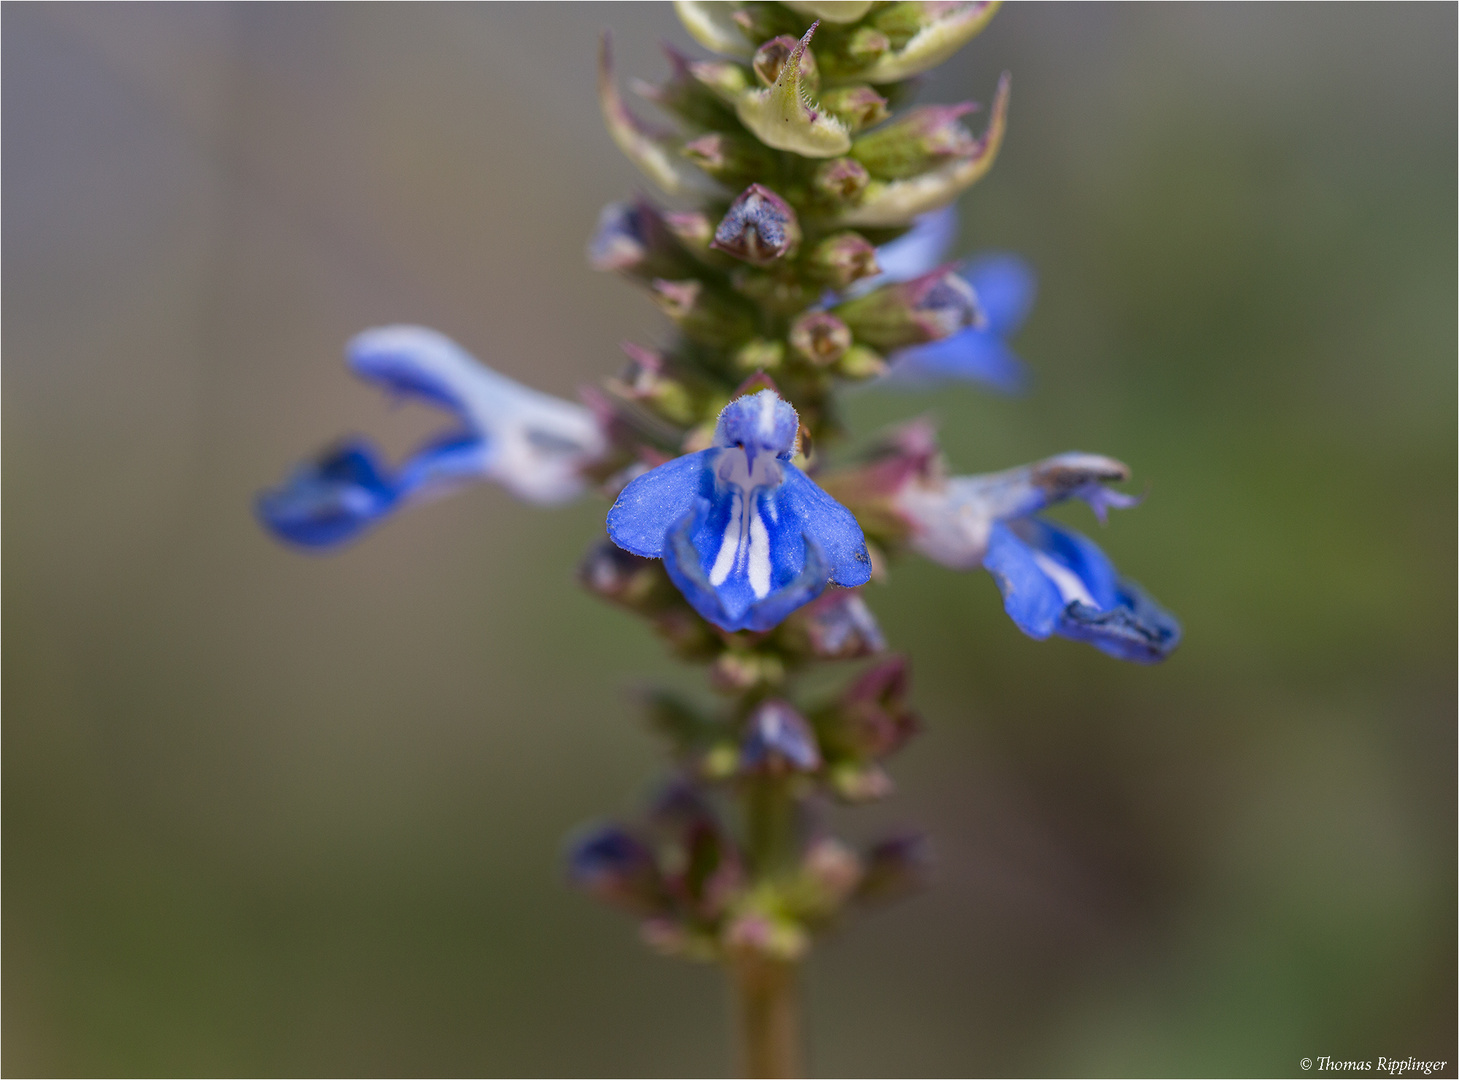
[533,444]
[745,535]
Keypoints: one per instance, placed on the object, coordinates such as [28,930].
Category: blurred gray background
[275,814]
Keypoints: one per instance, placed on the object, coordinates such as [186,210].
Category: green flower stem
[770,839]
[768,1016]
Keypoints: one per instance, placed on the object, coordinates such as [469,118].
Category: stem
[768,1016]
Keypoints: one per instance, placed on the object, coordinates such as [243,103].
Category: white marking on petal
[759,556]
[1065,580]
[768,401]
[729,547]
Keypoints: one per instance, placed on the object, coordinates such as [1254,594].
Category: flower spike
[653,152]
[780,116]
[898,202]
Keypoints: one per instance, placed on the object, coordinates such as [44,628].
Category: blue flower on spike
[1005,286]
[532,444]
[745,535]
[1055,581]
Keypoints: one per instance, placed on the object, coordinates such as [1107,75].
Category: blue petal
[1075,553]
[653,503]
[415,362]
[331,500]
[1032,601]
[1045,597]
[920,249]
[830,525]
[1138,629]
[971,355]
[727,610]
[1005,285]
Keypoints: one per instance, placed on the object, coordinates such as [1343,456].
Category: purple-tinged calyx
[759,227]
[928,308]
[778,740]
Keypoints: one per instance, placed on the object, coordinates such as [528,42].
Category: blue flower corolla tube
[531,443]
[744,534]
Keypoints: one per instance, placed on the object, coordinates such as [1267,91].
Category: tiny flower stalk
[817,257]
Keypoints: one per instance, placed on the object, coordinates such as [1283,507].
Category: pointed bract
[898,202]
[655,153]
[780,115]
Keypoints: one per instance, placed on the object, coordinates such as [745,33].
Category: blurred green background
[267,813]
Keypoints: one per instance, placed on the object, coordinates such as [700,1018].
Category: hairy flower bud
[842,258]
[922,139]
[928,308]
[857,106]
[820,338]
[759,227]
[778,740]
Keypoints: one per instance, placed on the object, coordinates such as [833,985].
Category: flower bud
[837,625]
[842,182]
[896,867]
[734,672]
[758,354]
[778,740]
[820,338]
[728,158]
[644,381]
[617,868]
[859,781]
[857,106]
[721,78]
[627,580]
[703,315]
[699,103]
[866,46]
[842,258]
[832,870]
[928,308]
[922,139]
[872,718]
[633,238]
[860,363]
[772,56]
[896,203]
[766,935]
[692,229]
[781,117]
[759,227]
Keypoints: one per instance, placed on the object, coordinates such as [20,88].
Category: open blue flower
[1005,286]
[1055,581]
[533,444]
[745,535]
